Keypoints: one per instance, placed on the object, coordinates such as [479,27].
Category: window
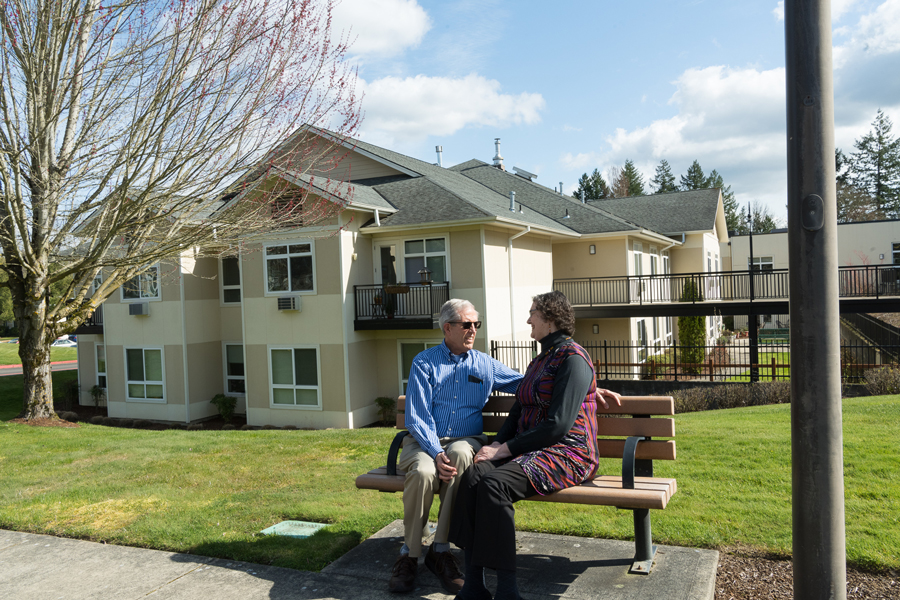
[144,374]
[895,248]
[408,351]
[290,268]
[642,340]
[709,266]
[230,276]
[234,369]
[654,260]
[295,377]
[101,365]
[638,258]
[665,262]
[430,253]
[144,286]
[761,263]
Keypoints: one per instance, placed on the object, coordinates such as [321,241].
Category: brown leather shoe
[445,566]
[403,575]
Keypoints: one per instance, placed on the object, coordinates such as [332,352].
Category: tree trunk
[35,337]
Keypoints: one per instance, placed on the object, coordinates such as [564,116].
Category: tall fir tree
[732,218]
[853,204]
[694,179]
[593,186]
[664,181]
[875,166]
[635,179]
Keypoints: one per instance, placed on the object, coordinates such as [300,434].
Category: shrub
[228,427]
[129,423]
[692,332]
[97,394]
[225,405]
[97,420]
[387,409]
[731,396]
[141,424]
[882,381]
[247,427]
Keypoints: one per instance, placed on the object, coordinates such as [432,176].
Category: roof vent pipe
[498,160]
[439,150]
[560,188]
[512,202]
[567,214]
[377,219]
[582,196]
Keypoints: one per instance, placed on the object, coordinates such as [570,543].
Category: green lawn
[765,368]
[9,353]
[210,493]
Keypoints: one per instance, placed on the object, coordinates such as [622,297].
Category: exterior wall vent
[139,309]
[289,303]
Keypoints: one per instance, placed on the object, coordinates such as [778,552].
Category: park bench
[632,441]
[774,334]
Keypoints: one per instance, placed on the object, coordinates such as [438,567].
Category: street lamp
[752,321]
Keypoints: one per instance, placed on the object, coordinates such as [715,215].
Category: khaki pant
[422,482]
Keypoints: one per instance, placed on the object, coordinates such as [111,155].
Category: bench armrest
[394,451]
[628,461]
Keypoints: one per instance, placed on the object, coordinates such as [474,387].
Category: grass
[210,493]
[11,392]
[765,367]
[9,353]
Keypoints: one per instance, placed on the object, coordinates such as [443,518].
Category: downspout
[184,355]
[240,258]
[512,319]
[344,331]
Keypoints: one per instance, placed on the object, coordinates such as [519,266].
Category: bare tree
[134,130]
[618,182]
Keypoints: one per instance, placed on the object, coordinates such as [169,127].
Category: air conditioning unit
[139,309]
[289,303]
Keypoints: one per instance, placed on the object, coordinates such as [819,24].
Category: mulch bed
[742,577]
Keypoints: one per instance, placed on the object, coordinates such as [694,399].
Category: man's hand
[495,451]
[602,395]
[445,470]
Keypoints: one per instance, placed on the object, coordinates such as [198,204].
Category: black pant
[484,519]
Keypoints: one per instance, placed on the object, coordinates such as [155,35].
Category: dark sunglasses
[468,324]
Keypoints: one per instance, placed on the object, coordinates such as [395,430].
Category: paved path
[63,365]
[40,567]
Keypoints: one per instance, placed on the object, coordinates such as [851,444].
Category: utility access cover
[294,529]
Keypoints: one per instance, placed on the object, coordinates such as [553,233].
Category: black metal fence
[876,331]
[725,362]
[872,281]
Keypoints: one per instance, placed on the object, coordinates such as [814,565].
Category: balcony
[93,325]
[398,306]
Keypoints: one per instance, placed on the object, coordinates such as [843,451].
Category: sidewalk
[40,567]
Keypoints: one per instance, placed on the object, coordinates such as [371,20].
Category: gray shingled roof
[675,212]
[465,197]
[583,218]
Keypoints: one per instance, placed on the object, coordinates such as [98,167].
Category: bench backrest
[634,418]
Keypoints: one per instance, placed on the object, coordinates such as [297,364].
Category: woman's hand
[602,395]
[495,451]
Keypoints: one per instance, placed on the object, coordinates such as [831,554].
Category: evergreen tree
[618,182]
[635,179]
[593,186]
[853,204]
[763,220]
[691,332]
[875,166]
[732,218]
[664,181]
[694,179]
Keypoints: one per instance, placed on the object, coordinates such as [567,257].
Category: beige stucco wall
[573,259]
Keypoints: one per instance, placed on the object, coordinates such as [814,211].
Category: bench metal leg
[644,550]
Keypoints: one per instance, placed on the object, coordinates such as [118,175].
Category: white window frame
[667,267]
[761,261]
[287,244]
[637,264]
[643,348]
[97,371]
[226,377]
[162,358]
[413,278]
[223,287]
[404,377]
[273,386]
[156,298]
[654,260]
[895,253]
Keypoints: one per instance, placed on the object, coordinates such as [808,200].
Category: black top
[573,380]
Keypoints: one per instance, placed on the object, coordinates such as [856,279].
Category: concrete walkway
[42,567]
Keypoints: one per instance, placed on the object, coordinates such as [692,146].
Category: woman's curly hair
[555,307]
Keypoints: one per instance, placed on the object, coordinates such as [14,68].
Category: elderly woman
[548,443]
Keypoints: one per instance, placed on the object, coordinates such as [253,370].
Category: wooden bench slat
[652,450]
[626,427]
[605,490]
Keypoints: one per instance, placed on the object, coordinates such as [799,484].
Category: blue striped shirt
[446,393]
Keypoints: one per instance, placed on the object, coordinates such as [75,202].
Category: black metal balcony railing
[870,281]
[93,324]
[399,306]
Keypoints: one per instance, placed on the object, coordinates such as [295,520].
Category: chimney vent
[582,196]
[512,202]
[440,151]
[498,160]
[560,187]
[567,214]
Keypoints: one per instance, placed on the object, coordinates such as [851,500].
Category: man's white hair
[451,310]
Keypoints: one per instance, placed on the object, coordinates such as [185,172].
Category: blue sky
[574,86]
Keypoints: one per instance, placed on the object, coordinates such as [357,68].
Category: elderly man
[448,386]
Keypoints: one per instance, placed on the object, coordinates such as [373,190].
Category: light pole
[752,320]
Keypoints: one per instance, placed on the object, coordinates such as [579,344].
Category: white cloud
[412,108]
[876,34]
[381,28]
[778,11]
